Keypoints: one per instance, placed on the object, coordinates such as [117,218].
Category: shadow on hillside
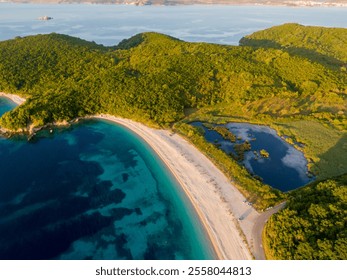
[132,42]
[312,55]
[334,161]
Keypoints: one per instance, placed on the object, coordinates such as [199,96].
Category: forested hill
[153,78]
[313,225]
[317,43]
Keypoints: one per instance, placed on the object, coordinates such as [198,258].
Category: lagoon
[285,168]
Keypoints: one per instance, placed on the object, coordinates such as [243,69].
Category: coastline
[13,97]
[205,186]
[216,201]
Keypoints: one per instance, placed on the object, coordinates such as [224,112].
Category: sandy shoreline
[207,188]
[15,98]
[217,202]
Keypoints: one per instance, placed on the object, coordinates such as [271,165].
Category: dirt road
[258,250]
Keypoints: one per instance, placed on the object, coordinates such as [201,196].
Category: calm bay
[92,191]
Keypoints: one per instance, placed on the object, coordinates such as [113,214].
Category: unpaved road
[258,250]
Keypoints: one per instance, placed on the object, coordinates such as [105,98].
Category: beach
[15,98]
[217,202]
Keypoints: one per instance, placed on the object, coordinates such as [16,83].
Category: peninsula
[296,86]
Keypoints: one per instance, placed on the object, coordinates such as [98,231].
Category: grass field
[324,147]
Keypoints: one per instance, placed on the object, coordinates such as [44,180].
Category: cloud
[296,160]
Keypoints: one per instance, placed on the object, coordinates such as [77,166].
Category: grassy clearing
[325,148]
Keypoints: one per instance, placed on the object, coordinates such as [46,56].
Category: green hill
[318,43]
[155,78]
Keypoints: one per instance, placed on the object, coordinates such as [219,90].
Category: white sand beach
[15,98]
[217,202]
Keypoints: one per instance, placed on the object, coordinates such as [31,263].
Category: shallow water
[6,105]
[284,169]
[94,191]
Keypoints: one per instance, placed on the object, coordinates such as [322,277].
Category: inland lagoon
[265,155]
[92,191]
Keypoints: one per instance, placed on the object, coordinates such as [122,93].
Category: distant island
[315,3]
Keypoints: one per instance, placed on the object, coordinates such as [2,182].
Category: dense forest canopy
[313,225]
[291,77]
[318,43]
[153,77]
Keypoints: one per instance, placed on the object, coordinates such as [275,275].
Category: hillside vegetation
[313,225]
[153,78]
[321,44]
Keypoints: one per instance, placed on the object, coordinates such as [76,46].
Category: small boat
[45,18]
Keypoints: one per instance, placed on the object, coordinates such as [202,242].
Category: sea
[96,190]
[109,24]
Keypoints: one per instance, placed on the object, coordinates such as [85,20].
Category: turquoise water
[6,105]
[285,168]
[93,191]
